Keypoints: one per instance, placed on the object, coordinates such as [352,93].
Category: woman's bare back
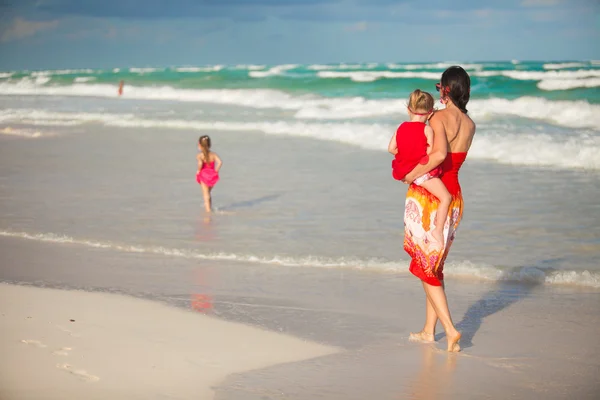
[459,128]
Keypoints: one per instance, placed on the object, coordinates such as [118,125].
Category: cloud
[545,16]
[21,28]
[165,9]
[358,27]
[111,33]
[539,3]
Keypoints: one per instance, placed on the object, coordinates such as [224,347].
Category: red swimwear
[412,149]
[208,175]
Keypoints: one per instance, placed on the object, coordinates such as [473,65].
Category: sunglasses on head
[438,86]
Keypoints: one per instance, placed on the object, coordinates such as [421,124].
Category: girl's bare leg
[436,187]
[207,199]
[437,298]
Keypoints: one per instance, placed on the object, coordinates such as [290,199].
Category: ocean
[306,180]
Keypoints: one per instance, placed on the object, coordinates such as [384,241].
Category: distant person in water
[121,84]
[411,145]
[209,164]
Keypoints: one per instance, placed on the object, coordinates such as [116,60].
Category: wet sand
[519,341]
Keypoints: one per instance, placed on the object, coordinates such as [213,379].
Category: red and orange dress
[419,216]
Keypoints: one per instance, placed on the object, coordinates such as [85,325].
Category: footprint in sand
[62,351]
[35,343]
[67,331]
[79,373]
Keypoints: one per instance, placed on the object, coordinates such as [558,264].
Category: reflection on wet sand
[201,299]
[434,378]
[205,229]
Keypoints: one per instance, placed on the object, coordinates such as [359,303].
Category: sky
[42,34]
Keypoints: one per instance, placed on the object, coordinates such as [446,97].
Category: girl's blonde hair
[204,141]
[420,101]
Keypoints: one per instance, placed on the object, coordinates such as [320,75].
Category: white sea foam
[565,65]
[144,70]
[410,73]
[459,269]
[250,67]
[535,149]
[532,275]
[62,72]
[343,66]
[273,71]
[542,75]
[440,66]
[566,84]
[213,68]
[6,74]
[42,80]
[255,98]
[507,144]
[575,114]
[26,133]
[83,79]
[348,108]
[370,76]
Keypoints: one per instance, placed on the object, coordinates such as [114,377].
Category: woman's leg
[437,297]
[206,195]
[428,332]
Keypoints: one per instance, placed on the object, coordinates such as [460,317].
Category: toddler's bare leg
[436,187]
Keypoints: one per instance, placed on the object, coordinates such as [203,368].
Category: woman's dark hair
[458,82]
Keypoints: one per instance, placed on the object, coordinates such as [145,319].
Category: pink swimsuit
[208,175]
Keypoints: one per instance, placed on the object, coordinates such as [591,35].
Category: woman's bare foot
[422,337]
[453,340]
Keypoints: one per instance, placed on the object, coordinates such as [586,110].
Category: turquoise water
[298,142]
[570,80]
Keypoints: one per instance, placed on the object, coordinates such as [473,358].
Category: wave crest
[465,269]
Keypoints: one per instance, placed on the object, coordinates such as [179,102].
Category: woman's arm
[393,146]
[438,153]
[218,162]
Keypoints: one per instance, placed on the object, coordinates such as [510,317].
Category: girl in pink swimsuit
[209,164]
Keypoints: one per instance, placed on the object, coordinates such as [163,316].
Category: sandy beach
[72,345]
[277,332]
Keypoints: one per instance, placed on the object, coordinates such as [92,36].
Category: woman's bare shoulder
[439,114]
[470,124]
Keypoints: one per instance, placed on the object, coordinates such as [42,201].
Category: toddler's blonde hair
[420,101]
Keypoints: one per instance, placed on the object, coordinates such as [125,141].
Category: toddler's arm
[200,161]
[393,146]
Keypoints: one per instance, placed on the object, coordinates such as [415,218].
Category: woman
[454,131]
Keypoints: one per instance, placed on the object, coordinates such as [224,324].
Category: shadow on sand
[503,295]
[250,203]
